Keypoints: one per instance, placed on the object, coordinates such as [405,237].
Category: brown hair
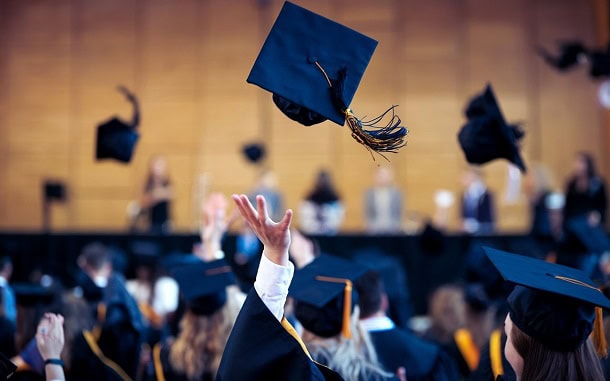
[541,363]
[199,346]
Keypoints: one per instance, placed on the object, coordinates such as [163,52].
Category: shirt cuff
[272,282]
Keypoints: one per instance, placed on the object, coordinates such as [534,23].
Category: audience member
[322,211]
[9,303]
[157,196]
[586,192]
[383,204]
[447,311]
[478,209]
[537,187]
[397,347]
[266,186]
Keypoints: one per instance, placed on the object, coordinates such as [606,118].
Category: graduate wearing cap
[554,325]
[195,353]
[313,66]
[263,345]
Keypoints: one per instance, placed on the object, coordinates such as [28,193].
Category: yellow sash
[495,353]
[467,348]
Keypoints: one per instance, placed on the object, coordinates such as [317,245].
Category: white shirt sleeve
[272,282]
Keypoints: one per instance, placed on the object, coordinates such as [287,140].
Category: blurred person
[157,196]
[211,310]
[322,210]
[537,187]
[262,338]
[9,303]
[478,209]
[266,186]
[447,311]
[383,204]
[586,192]
[398,347]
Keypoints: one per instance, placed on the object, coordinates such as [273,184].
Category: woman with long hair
[586,192]
[554,327]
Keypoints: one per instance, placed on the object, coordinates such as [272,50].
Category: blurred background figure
[383,204]
[586,192]
[157,196]
[478,209]
[9,305]
[537,187]
[322,210]
[266,186]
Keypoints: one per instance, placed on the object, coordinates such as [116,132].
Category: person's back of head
[371,294]
[94,257]
[447,310]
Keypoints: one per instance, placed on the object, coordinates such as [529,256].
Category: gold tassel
[598,336]
[388,138]
[346,331]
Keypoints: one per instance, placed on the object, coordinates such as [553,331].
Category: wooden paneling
[188,60]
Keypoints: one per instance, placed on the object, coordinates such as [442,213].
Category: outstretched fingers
[284,224]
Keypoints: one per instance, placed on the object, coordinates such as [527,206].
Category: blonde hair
[353,359]
[447,311]
[201,341]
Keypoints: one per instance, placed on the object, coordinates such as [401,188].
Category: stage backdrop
[187,60]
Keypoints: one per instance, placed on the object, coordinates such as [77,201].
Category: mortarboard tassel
[598,336]
[388,138]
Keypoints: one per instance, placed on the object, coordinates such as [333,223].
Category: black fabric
[297,113]
[485,373]
[115,140]
[594,199]
[422,360]
[259,348]
[86,366]
[453,351]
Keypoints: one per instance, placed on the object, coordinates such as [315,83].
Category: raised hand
[275,236]
[50,336]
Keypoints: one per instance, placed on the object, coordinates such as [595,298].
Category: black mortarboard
[600,63]
[554,304]
[54,190]
[203,285]
[254,152]
[570,55]
[486,136]
[115,140]
[313,66]
[7,368]
[323,291]
[593,238]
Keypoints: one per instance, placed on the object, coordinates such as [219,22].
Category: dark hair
[370,292]
[589,163]
[324,191]
[94,255]
[541,363]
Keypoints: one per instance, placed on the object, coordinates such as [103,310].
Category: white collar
[377,323]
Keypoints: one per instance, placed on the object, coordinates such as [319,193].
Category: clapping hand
[275,236]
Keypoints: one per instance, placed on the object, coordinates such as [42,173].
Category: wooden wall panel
[188,61]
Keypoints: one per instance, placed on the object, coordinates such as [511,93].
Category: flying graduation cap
[556,305]
[254,152]
[116,139]
[313,66]
[571,54]
[486,136]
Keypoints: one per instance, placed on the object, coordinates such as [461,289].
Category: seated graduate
[396,347]
[554,325]
[262,344]
[195,354]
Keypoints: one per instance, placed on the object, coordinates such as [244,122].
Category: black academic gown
[260,348]
[89,363]
[163,367]
[485,371]
[422,360]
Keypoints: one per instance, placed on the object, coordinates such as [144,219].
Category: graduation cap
[571,53]
[486,136]
[7,368]
[556,305]
[54,190]
[593,238]
[323,291]
[313,66]
[203,285]
[115,140]
[254,152]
